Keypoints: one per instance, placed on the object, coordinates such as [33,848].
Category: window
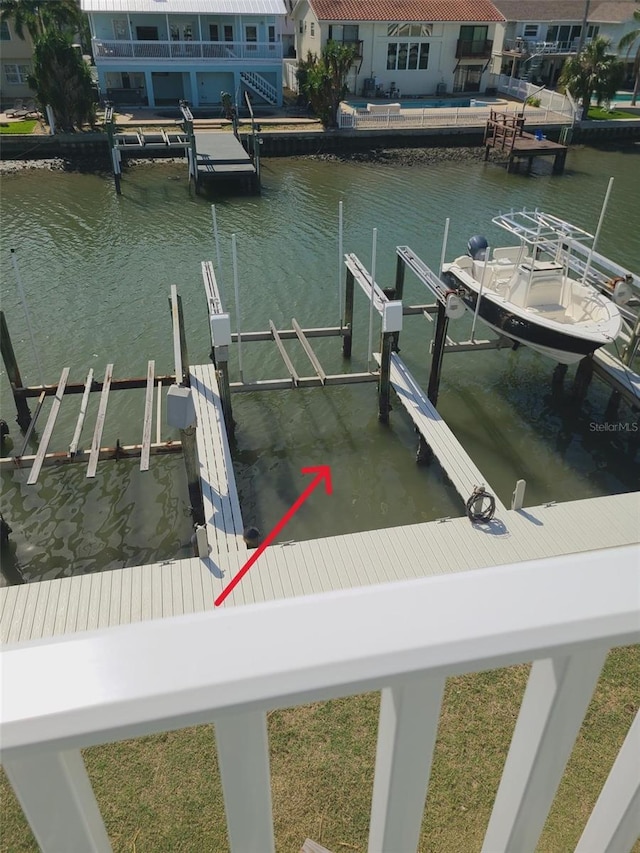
[5,35]
[15,74]
[147,33]
[593,31]
[564,34]
[271,33]
[404,30]
[214,34]
[228,32]
[313,29]
[120,28]
[530,31]
[301,28]
[350,32]
[407,56]
[251,34]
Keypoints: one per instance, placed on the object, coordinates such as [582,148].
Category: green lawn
[600,113]
[19,126]
[162,793]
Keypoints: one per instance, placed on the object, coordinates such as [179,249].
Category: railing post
[243,756]
[407,730]
[554,704]
[614,823]
[57,799]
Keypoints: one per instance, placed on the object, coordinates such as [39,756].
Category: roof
[186,7]
[405,10]
[600,11]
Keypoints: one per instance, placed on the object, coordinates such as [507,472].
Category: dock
[505,132]
[221,156]
[169,588]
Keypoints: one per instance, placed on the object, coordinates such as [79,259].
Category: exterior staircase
[258,84]
[532,66]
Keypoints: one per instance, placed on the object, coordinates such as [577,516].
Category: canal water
[97,271]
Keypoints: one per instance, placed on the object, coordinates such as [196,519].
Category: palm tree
[38,16]
[324,80]
[627,42]
[592,73]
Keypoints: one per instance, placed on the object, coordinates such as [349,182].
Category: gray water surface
[97,271]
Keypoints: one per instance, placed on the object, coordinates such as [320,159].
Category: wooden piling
[188,435]
[582,380]
[11,366]
[439,341]
[348,316]
[384,381]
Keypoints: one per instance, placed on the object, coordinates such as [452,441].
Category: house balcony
[467,49]
[357,45]
[528,47]
[160,51]
[404,639]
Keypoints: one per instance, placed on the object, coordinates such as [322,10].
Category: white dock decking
[220,495]
[66,605]
[460,468]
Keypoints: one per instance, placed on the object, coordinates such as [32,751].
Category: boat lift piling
[24,418]
[181,410]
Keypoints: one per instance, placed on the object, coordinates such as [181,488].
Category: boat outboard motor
[477,247]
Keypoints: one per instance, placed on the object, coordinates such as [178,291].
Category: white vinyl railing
[550,101]
[403,638]
[227,50]
[442,117]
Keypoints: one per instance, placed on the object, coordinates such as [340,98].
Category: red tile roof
[405,10]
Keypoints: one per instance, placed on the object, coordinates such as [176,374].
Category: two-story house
[157,52]
[407,47]
[541,34]
[16,60]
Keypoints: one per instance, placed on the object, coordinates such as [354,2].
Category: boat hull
[557,344]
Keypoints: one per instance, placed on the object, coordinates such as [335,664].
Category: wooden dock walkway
[456,462]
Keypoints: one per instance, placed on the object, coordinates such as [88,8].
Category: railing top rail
[166,674]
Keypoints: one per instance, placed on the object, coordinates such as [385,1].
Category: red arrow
[322,472]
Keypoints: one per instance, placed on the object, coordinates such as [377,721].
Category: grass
[163,792]
[602,114]
[19,126]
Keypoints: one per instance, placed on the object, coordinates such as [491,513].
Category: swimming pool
[419,104]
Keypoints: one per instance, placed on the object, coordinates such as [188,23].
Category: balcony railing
[467,49]
[527,46]
[404,639]
[172,50]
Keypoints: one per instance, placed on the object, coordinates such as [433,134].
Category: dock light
[220,330]
[181,411]
[392,316]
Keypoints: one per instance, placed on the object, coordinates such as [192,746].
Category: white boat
[527,292]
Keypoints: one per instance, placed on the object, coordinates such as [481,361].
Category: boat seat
[509,253]
[544,293]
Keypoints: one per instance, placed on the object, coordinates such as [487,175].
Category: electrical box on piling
[392,316]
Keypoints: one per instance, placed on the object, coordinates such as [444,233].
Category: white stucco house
[157,52]
[407,47]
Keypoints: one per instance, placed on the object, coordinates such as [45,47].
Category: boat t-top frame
[538,228]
